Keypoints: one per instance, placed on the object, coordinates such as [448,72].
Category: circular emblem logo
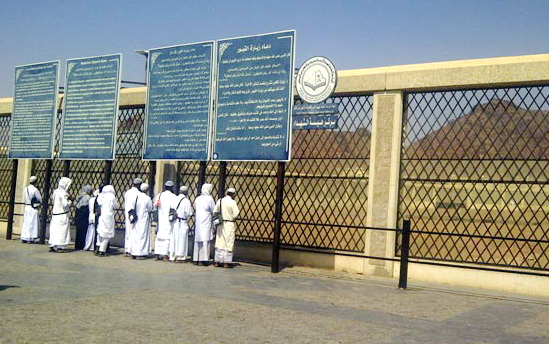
[316,79]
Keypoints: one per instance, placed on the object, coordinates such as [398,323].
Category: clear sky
[353,34]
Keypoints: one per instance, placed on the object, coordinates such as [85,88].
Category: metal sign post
[278,216]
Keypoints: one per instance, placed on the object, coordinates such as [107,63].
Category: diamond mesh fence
[39,170]
[255,183]
[5,166]
[325,189]
[474,176]
[326,183]
[127,165]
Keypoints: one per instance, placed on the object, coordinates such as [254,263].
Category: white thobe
[179,241]
[225,235]
[204,206]
[130,199]
[141,235]
[90,235]
[163,202]
[29,230]
[203,230]
[60,234]
[106,223]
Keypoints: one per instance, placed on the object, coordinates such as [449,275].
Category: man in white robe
[163,202]
[224,239]
[140,247]
[32,200]
[90,235]
[106,224]
[203,230]
[179,244]
[60,234]
[130,200]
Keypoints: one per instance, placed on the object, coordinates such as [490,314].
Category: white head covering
[168,183]
[64,183]
[207,189]
[183,188]
[137,181]
[144,187]
[106,195]
[87,189]
[32,179]
[231,190]
[108,189]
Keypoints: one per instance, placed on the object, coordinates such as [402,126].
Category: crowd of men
[95,221]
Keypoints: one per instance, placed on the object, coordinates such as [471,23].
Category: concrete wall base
[490,280]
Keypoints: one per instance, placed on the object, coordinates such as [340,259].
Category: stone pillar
[23,176]
[159,177]
[165,170]
[383,183]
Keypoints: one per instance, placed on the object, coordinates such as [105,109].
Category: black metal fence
[326,183]
[124,169]
[5,167]
[325,189]
[474,176]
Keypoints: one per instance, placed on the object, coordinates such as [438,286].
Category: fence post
[201,176]
[46,201]
[152,176]
[66,168]
[278,215]
[404,253]
[107,173]
[177,178]
[222,178]
[9,231]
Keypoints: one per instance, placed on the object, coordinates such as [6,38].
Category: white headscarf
[64,183]
[207,189]
[106,195]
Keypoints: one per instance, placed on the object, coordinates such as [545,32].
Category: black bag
[217,217]
[173,212]
[132,214]
[172,216]
[34,202]
[96,208]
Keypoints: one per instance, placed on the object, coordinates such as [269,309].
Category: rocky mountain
[495,130]
[330,144]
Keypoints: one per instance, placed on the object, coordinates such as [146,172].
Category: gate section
[326,183]
[5,167]
[255,183]
[39,169]
[474,176]
[128,164]
[192,174]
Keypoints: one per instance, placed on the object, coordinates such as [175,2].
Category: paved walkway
[78,298]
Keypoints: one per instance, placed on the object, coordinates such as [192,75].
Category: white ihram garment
[224,239]
[90,235]
[106,225]
[179,245]
[203,231]
[130,198]
[60,234]
[141,236]
[163,202]
[29,230]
